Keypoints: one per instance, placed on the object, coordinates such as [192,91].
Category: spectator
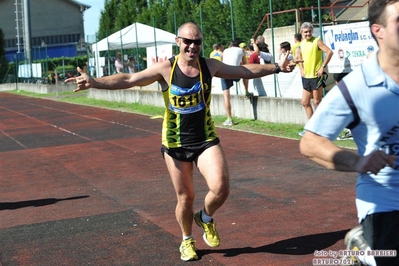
[119,64]
[285,47]
[253,57]
[297,44]
[217,52]
[312,68]
[233,56]
[246,51]
[131,64]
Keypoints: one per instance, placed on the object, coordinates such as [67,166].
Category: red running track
[88,186]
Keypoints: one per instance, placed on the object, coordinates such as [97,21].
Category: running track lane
[88,186]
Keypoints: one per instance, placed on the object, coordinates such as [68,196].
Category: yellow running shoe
[211,236]
[355,242]
[187,250]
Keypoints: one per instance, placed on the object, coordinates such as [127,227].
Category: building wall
[55,17]
[49,21]
[7,18]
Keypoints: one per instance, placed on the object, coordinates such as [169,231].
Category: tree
[216,24]
[127,14]
[180,11]
[156,14]
[107,18]
[247,17]
[213,16]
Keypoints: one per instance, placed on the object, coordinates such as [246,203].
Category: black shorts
[381,231]
[188,154]
[312,84]
[228,83]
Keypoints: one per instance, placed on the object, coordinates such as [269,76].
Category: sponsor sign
[351,43]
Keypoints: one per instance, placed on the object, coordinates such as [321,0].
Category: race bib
[186,101]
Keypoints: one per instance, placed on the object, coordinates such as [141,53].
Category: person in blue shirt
[374,92]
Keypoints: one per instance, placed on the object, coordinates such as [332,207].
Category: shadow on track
[302,245]
[34,203]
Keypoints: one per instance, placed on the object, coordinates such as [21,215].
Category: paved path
[87,186]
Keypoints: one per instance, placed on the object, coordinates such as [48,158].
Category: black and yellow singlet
[187,120]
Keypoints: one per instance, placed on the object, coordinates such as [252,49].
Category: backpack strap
[344,90]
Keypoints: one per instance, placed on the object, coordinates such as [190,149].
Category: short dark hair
[263,47]
[286,46]
[298,36]
[377,12]
[234,43]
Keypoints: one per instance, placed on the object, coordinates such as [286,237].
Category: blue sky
[92,15]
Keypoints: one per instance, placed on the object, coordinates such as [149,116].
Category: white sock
[188,237]
[367,260]
[205,218]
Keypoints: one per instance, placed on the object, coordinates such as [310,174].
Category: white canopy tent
[134,36]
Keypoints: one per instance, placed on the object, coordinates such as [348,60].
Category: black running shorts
[312,84]
[189,153]
[381,231]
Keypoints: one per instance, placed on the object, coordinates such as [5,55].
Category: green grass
[256,126]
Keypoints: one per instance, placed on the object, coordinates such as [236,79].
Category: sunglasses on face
[189,41]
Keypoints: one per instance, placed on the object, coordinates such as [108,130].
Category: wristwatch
[277,68]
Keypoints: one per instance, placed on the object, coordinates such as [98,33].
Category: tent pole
[109,63]
[155,39]
[120,35]
[137,48]
[97,59]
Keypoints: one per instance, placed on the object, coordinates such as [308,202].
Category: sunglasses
[189,41]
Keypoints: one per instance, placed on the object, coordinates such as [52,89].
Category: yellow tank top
[312,57]
[216,55]
[293,50]
[187,120]
[294,47]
